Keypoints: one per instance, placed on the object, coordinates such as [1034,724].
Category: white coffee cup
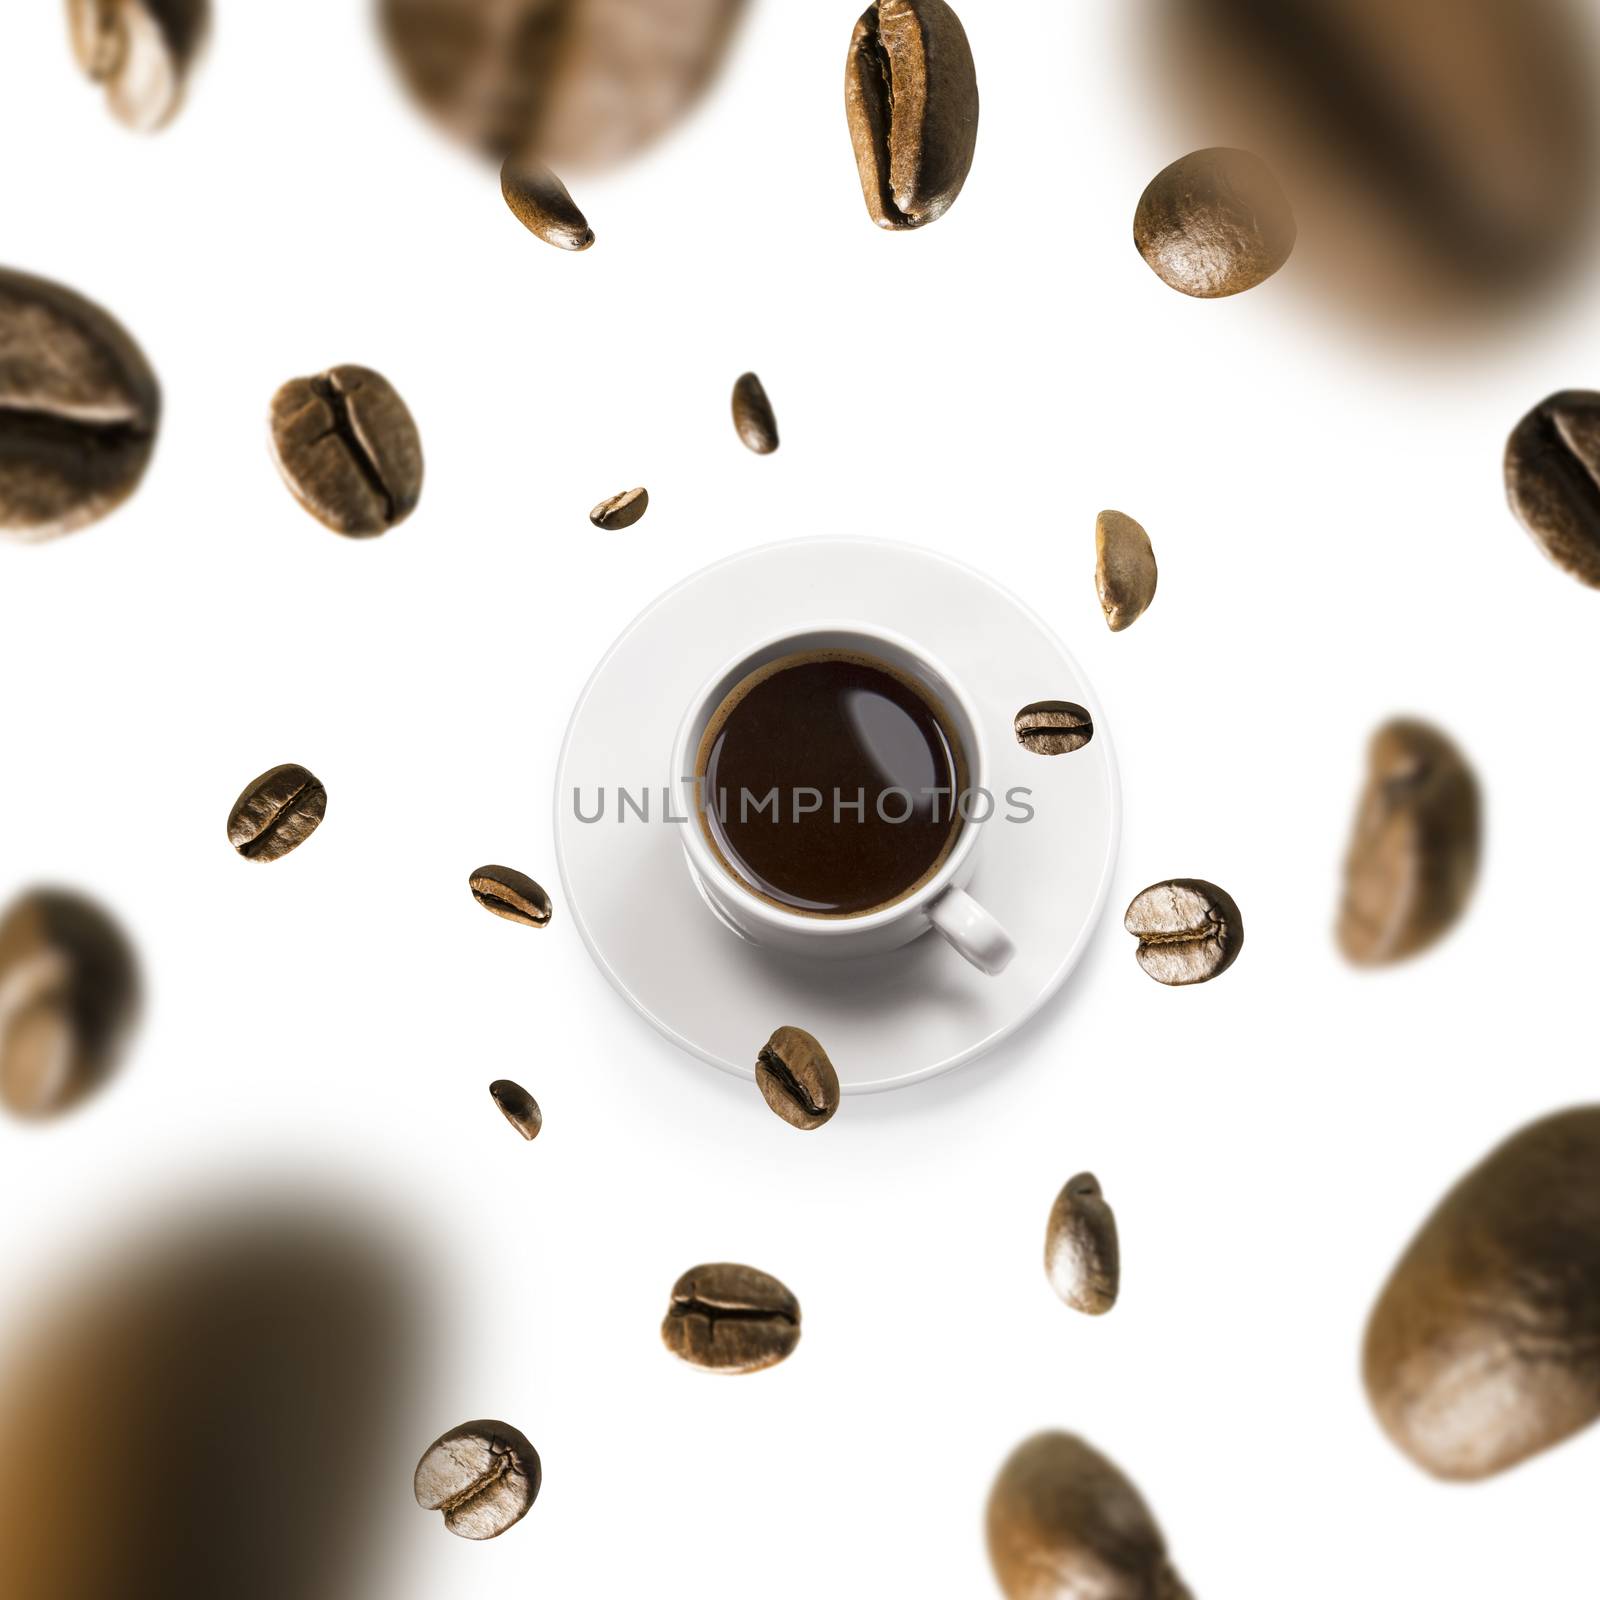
[942,902]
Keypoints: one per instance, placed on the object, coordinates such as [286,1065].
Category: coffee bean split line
[1559,437]
[326,388]
[253,847]
[494,903]
[31,430]
[693,1307]
[797,1091]
[504,1461]
[1204,930]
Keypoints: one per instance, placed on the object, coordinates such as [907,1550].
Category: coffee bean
[621,510]
[1551,462]
[1080,1247]
[1414,856]
[1214,224]
[1065,1524]
[728,1318]
[484,1477]
[1124,569]
[797,1079]
[142,51]
[276,813]
[1189,931]
[911,97]
[69,995]
[519,1107]
[79,407]
[540,202]
[348,448]
[512,895]
[752,415]
[1433,180]
[1053,727]
[584,83]
[1484,1347]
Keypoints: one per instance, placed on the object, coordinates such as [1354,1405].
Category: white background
[1334,547]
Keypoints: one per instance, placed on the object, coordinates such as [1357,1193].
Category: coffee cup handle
[973,932]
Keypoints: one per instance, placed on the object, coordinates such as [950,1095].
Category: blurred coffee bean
[1214,224]
[518,1107]
[142,51]
[1189,931]
[753,416]
[229,1372]
[1124,569]
[911,98]
[728,1318]
[69,995]
[79,407]
[276,813]
[1080,1247]
[1551,462]
[579,83]
[797,1079]
[512,895]
[484,1477]
[1428,179]
[621,510]
[1053,727]
[1065,1524]
[540,202]
[1484,1347]
[1414,857]
[348,448]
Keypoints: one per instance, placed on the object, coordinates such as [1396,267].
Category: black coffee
[829,784]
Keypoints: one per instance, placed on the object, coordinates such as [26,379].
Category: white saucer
[887,1020]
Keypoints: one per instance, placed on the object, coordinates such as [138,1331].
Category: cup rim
[716,879]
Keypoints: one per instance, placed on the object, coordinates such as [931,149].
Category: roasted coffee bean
[1551,464]
[797,1079]
[728,1318]
[277,812]
[1484,1347]
[1124,569]
[69,994]
[753,417]
[540,202]
[78,410]
[1053,727]
[911,97]
[1214,224]
[621,510]
[346,445]
[519,1107]
[484,1477]
[512,895]
[1414,858]
[1065,1524]
[583,83]
[1433,180]
[142,51]
[1189,931]
[1080,1247]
